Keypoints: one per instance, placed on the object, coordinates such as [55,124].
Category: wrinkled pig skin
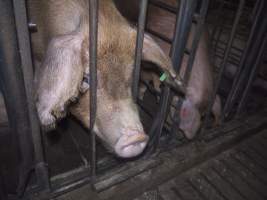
[200,84]
[61,47]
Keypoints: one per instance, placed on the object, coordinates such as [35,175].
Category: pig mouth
[131,146]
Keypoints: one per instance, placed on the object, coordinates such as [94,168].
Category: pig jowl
[61,46]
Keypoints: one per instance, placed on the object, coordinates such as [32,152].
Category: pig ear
[60,77]
[153,53]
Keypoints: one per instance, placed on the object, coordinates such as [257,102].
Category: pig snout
[131,144]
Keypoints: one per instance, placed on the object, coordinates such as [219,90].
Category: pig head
[61,44]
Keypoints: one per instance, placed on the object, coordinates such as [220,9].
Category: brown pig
[200,84]
[61,46]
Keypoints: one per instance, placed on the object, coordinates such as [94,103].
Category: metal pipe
[224,62]
[93,28]
[139,47]
[158,122]
[11,76]
[27,68]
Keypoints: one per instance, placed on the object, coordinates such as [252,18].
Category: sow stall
[223,162]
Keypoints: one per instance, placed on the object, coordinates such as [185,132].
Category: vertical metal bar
[27,68]
[139,47]
[156,128]
[93,29]
[224,62]
[232,95]
[182,28]
[253,73]
[11,76]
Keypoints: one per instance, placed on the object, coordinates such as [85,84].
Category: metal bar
[93,29]
[11,76]
[27,68]
[253,73]
[182,28]
[139,47]
[233,92]
[158,122]
[224,62]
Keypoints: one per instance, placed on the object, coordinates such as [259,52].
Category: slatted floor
[237,174]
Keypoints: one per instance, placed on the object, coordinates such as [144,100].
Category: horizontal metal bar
[131,169]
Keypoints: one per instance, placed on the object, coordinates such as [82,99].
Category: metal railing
[17,79]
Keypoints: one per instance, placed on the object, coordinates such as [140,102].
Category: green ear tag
[163,77]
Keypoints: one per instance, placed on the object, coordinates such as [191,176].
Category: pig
[200,85]
[61,46]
